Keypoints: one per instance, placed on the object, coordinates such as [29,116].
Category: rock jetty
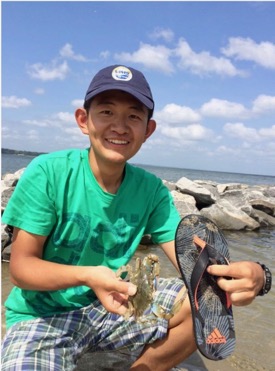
[232,206]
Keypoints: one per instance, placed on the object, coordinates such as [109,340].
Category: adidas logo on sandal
[215,337]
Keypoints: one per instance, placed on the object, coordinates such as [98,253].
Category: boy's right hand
[111,291]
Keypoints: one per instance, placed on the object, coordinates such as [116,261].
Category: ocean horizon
[13,162]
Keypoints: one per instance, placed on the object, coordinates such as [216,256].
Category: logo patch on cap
[122,73]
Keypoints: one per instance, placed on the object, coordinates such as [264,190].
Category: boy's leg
[166,353]
[41,345]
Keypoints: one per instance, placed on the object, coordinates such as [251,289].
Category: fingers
[115,299]
[233,270]
[247,280]
[238,270]
[240,291]
[126,288]
[132,289]
[242,298]
[116,303]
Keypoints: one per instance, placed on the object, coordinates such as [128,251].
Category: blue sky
[211,67]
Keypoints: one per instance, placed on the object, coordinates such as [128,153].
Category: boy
[78,215]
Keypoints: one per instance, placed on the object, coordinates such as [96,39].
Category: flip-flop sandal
[200,243]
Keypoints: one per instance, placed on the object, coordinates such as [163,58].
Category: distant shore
[20,152]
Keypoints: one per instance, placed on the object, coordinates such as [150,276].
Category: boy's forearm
[33,273]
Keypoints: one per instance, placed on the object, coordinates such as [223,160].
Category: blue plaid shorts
[57,342]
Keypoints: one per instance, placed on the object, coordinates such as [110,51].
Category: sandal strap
[208,256]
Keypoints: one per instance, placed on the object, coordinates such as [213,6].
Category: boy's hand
[247,280]
[112,292]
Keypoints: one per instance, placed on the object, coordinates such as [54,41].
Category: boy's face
[117,125]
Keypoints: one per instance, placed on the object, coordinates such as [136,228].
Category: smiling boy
[79,215]
[117,125]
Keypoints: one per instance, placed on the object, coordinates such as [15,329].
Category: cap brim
[142,98]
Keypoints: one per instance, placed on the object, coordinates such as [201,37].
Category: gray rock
[5,195]
[171,186]
[227,216]
[5,237]
[235,197]
[263,205]
[269,192]
[6,253]
[263,218]
[185,204]
[10,180]
[202,195]
[230,186]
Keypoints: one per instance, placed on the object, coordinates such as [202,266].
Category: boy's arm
[169,250]
[29,271]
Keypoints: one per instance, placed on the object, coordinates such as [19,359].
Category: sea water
[13,162]
[254,323]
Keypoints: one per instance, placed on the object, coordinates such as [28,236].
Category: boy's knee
[182,307]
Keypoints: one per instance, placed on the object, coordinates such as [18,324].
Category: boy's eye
[135,117]
[106,112]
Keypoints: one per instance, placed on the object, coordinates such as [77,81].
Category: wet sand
[255,332]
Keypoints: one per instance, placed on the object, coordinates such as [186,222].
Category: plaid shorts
[57,342]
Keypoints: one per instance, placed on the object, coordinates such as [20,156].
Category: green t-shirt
[59,197]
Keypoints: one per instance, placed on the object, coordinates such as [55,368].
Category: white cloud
[263,103]
[65,116]
[15,102]
[56,120]
[32,135]
[159,58]
[39,123]
[105,54]
[162,33]
[193,132]
[223,108]
[8,132]
[154,57]
[74,131]
[77,102]
[247,49]
[45,73]
[67,52]
[175,115]
[204,63]
[39,91]
[181,124]
[226,150]
[241,132]
[268,132]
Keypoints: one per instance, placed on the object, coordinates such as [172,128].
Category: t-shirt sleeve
[164,218]
[31,206]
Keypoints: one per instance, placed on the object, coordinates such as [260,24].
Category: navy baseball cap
[123,78]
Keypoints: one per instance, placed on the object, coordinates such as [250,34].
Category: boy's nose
[120,125]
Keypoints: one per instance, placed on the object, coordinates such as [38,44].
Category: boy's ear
[82,119]
[151,127]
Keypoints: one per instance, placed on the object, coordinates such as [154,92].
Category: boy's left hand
[247,280]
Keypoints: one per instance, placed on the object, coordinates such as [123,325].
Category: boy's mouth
[117,141]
